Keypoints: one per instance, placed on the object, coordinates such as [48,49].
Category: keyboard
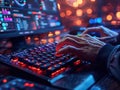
[40,61]
[13,83]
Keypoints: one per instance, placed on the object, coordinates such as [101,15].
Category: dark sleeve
[109,57]
[118,39]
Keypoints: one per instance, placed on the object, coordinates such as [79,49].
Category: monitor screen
[25,17]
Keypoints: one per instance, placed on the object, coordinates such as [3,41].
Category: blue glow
[95,20]
[91,21]
[0,15]
[29,12]
[1,19]
[87,82]
[99,20]
[18,27]
[57,78]
[5,28]
[58,23]
[96,88]
[3,24]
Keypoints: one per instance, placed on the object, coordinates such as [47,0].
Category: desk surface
[87,79]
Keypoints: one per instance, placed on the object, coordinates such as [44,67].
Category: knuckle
[67,39]
[68,47]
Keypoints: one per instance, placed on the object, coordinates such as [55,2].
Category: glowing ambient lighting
[51,40]
[50,34]
[57,38]
[36,38]
[79,1]
[78,22]
[28,38]
[109,17]
[78,62]
[89,11]
[68,12]
[57,32]
[43,41]
[62,14]
[113,22]
[92,0]
[79,12]
[58,6]
[118,15]
[4,80]
[75,4]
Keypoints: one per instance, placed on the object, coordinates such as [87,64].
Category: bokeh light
[58,6]
[68,12]
[118,15]
[113,22]
[79,12]
[62,14]
[89,11]
[92,0]
[78,22]
[75,3]
[109,17]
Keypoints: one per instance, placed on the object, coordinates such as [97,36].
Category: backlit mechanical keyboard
[12,83]
[41,61]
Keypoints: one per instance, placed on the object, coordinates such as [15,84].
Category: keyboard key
[43,58]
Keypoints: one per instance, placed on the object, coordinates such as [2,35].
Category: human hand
[84,47]
[106,34]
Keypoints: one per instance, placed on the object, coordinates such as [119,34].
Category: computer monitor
[26,17]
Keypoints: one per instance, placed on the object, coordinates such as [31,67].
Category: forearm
[109,57]
[118,39]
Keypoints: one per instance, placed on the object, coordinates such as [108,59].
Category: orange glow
[58,72]
[68,12]
[92,0]
[57,32]
[58,6]
[77,62]
[34,69]
[62,14]
[75,4]
[14,60]
[79,1]
[89,11]
[109,17]
[79,12]
[36,38]
[51,40]
[21,64]
[4,80]
[43,41]
[113,22]
[28,38]
[118,15]
[78,22]
[50,34]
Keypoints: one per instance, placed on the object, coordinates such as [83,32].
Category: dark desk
[89,78]
[106,83]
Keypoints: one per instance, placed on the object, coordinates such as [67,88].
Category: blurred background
[85,13]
